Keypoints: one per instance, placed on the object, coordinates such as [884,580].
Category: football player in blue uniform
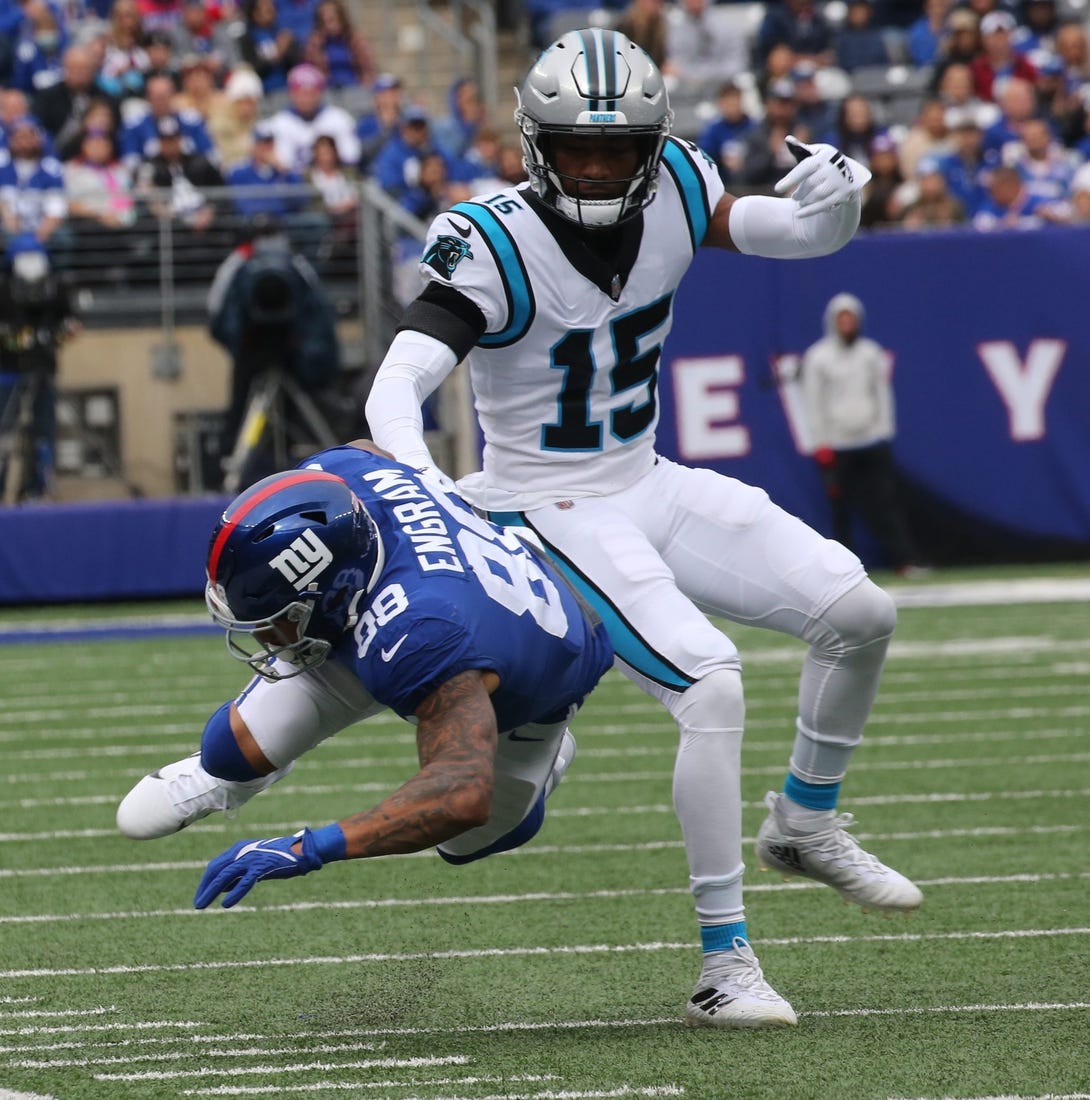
[560,294]
[352,584]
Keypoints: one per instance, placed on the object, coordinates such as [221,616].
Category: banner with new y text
[989,341]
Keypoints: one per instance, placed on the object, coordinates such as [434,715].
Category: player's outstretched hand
[823,178]
[246,863]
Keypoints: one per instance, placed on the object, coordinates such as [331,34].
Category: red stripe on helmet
[230,523]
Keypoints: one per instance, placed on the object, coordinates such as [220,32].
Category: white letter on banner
[707,407]
[1024,388]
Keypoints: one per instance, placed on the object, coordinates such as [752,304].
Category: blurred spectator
[453,134]
[125,60]
[199,35]
[478,168]
[779,65]
[374,129]
[183,174]
[140,138]
[964,167]
[765,157]
[335,182]
[886,178]
[61,108]
[260,182]
[855,127]
[265,192]
[232,120]
[703,46]
[815,115]
[511,167]
[268,47]
[32,202]
[542,12]
[397,167]
[925,35]
[338,48]
[956,92]
[1082,146]
[927,136]
[722,138]
[644,21]
[1046,167]
[1017,102]
[1008,204]
[1040,20]
[14,105]
[1079,207]
[297,17]
[859,42]
[36,317]
[159,47]
[799,24]
[199,93]
[930,204]
[160,15]
[309,116]
[433,191]
[1073,50]
[1055,100]
[960,45]
[38,48]
[97,185]
[998,58]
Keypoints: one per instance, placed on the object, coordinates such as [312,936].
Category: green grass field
[559,971]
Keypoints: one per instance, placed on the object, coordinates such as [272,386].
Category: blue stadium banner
[989,343]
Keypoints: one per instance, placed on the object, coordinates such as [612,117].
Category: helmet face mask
[594,84]
[287,564]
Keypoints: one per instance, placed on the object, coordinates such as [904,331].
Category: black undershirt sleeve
[446,315]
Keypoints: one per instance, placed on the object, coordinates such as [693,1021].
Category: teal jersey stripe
[516,282]
[627,644]
[694,195]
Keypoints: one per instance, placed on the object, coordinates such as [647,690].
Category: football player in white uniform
[560,292]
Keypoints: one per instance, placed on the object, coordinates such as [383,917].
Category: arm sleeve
[411,371]
[763,226]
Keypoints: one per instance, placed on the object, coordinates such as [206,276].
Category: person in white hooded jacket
[849,401]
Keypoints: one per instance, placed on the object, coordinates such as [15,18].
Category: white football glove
[823,179]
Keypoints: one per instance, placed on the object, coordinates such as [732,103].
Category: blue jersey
[455,593]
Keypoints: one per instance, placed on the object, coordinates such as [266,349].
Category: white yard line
[502,953]
[470,900]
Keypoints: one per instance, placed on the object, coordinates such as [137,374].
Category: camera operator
[35,319]
[269,310]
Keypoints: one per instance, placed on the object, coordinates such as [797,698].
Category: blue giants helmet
[286,564]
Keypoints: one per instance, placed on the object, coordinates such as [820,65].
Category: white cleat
[178,794]
[732,992]
[834,857]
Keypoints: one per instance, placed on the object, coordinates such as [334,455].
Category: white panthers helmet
[593,81]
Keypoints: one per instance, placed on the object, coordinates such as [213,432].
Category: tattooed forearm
[456,742]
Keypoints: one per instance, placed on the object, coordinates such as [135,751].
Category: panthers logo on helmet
[446,254]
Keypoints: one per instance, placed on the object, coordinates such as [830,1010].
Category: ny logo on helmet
[446,254]
[303,561]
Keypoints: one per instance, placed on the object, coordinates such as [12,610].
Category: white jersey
[565,375]
[294,135]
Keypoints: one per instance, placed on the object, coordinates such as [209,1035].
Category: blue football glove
[246,863]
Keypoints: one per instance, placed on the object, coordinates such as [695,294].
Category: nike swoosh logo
[515,737]
[388,654]
[257,847]
[464,233]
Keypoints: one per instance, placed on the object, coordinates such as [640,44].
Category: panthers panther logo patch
[446,254]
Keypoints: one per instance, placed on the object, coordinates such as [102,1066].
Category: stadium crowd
[115,114]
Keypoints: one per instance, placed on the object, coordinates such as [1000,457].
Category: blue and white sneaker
[833,856]
[178,794]
[732,993]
